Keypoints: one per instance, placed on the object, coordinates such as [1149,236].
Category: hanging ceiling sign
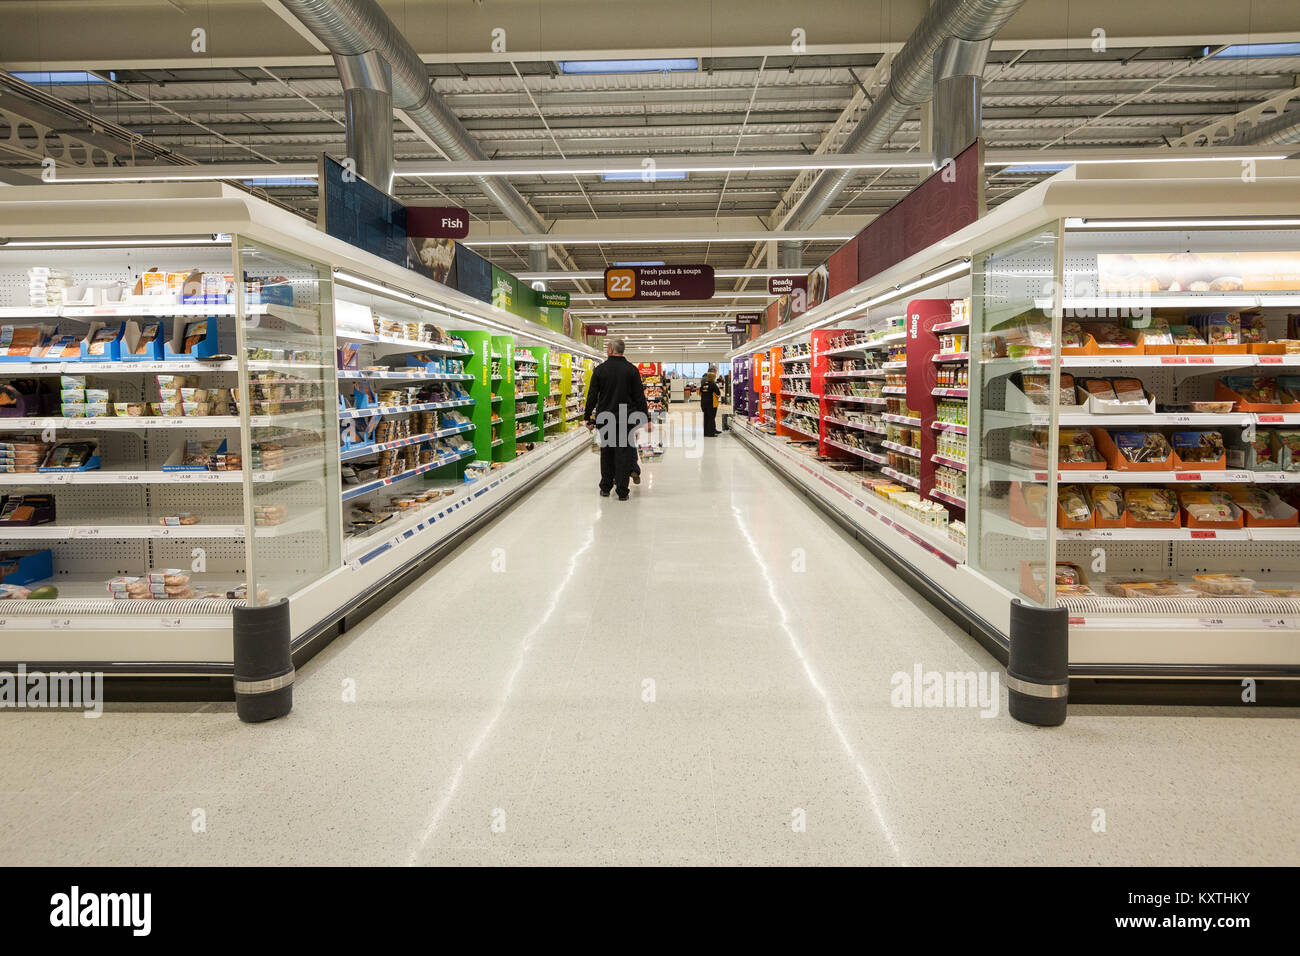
[738,328]
[437,222]
[738,339]
[750,318]
[596,329]
[659,283]
[784,285]
[552,300]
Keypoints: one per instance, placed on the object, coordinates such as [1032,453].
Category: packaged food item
[1279,591]
[1073,502]
[96,409]
[1144,588]
[1288,448]
[153,282]
[1099,388]
[98,344]
[1142,446]
[1223,584]
[182,518]
[1129,391]
[1028,446]
[1219,328]
[1199,446]
[1151,504]
[74,409]
[1110,336]
[147,337]
[1255,502]
[71,454]
[1213,507]
[1152,331]
[1185,335]
[195,332]
[1253,330]
[1076,446]
[68,382]
[1258,390]
[97,395]
[1035,499]
[1107,502]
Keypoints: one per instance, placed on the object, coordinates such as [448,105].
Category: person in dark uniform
[710,396]
[616,405]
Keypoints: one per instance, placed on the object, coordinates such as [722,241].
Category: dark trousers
[710,420]
[616,463]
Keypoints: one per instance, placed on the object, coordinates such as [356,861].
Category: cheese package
[152,282]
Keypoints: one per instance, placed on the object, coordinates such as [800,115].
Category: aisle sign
[750,318]
[552,300]
[737,328]
[437,222]
[659,283]
[596,329]
[784,285]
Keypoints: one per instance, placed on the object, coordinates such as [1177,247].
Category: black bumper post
[1038,680]
[263,663]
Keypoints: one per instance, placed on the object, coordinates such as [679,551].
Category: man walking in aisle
[616,405]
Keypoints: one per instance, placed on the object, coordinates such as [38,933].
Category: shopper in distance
[616,410]
[709,400]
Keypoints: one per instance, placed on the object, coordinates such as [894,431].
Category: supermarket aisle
[701,674]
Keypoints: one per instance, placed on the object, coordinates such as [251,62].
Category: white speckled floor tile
[520,733]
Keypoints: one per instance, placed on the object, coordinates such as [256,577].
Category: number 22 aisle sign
[659,283]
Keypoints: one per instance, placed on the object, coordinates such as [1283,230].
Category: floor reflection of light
[525,645]
[816,683]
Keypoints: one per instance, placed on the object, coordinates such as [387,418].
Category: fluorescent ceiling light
[654,177]
[717,273]
[1038,167]
[934,278]
[93,243]
[654,311]
[1077,223]
[666,65]
[1247,50]
[552,239]
[281,181]
[60,77]
[1180,156]
[648,262]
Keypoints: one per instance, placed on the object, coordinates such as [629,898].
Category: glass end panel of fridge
[291,404]
[1012,506]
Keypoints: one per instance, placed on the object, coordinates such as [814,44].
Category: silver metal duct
[911,80]
[1278,131]
[368,106]
[355,27]
[958,94]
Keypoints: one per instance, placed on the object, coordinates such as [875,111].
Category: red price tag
[1270,419]
[1270,360]
[1204,534]
[1188,476]
[1173,360]
[1200,359]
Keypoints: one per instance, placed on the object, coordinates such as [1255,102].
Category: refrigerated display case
[205,403]
[1111,431]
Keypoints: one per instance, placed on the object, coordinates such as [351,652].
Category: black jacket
[616,388]
[707,391]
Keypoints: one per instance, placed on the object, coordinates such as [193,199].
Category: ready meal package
[1076,447]
[1036,386]
[1107,503]
[1208,507]
[1199,447]
[1223,585]
[1256,393]
[1147,588]
[1073,503]
[1143,447]
[1151,505]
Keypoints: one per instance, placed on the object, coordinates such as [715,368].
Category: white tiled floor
[519,699]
